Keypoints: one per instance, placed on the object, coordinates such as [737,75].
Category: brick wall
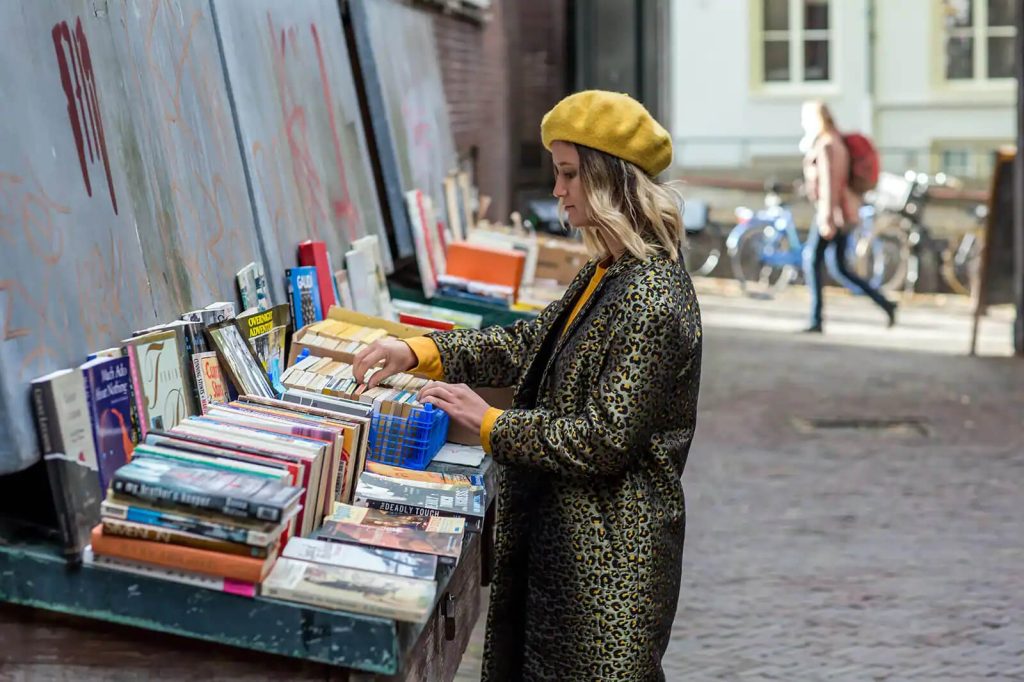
[500,77]
[474,66]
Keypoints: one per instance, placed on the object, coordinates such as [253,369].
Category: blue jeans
[814,264]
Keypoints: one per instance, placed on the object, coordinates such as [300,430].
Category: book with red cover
[314,254]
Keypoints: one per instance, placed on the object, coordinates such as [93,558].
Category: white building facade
[931,81]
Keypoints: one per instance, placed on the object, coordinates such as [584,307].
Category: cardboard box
[559,259]
[489,264]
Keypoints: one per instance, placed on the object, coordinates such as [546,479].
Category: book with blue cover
[303,296]
[108,393]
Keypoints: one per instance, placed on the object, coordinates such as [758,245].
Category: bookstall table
[92,623]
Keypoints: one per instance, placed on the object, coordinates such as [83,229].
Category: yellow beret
[610,122]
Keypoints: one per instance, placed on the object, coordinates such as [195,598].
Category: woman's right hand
[396,355]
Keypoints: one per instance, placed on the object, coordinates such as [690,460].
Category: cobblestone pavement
[851,553]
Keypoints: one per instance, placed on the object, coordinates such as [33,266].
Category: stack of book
[335,378]
[346,337]
[203,523]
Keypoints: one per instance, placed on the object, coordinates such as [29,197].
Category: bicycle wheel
[703,250]
[881,258]
[757,276]
[961,263]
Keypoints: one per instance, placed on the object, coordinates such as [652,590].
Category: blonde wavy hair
[628,206]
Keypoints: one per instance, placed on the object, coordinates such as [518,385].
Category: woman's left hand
[461,403]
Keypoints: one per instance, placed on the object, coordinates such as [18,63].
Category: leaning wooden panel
[401,76]
[300,127]
[72,273]
[195,220]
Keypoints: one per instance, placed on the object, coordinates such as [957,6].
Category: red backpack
[864,163]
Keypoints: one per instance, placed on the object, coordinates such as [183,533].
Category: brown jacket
[826,173]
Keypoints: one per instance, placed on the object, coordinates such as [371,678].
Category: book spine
[193,406]
[472,522]
[197,372]
[222,504]
[51,443]
[226,585]
[202,561]
[206,528]
[156,534]
[138,391]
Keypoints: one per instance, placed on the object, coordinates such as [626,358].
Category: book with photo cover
[364,516]
[266,332]
[198,487]
[406,497]
[431,477]
[446,545]
[376,560]
[303,296]
[345,589]
[238,360]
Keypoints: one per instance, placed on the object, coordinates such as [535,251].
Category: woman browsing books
[591,514]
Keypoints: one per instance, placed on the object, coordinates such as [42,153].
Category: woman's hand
[396,356]
[461,403]
[827,229]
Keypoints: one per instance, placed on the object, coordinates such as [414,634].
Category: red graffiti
[343,208]
[79,83]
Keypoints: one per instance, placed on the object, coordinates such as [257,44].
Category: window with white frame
[980,39]
[796,41]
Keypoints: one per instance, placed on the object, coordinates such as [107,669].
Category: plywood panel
[300,126]
[398,59]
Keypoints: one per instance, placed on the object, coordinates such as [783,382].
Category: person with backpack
[837,171]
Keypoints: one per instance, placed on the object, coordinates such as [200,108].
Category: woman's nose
[559,191]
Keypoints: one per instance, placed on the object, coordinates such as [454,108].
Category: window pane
[1002,12]
[958,13]
[1000,57]
[776,15]
[816,60]
[956,161]
[816,14]
[776,60]
[959,58]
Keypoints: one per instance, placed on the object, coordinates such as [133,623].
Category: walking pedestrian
[826,179]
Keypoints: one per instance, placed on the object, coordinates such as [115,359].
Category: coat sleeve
[495,356]
[623,410]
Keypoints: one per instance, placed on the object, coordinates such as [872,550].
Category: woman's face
[568,186]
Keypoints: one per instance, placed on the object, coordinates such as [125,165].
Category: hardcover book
[345,589]
[112,413]
[233,494]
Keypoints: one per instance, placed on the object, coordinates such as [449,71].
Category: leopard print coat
[591,515]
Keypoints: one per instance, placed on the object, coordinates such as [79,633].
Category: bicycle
[703,239]
[906,198]
[767,254]
[961,261]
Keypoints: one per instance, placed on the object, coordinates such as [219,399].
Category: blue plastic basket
[409,442]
